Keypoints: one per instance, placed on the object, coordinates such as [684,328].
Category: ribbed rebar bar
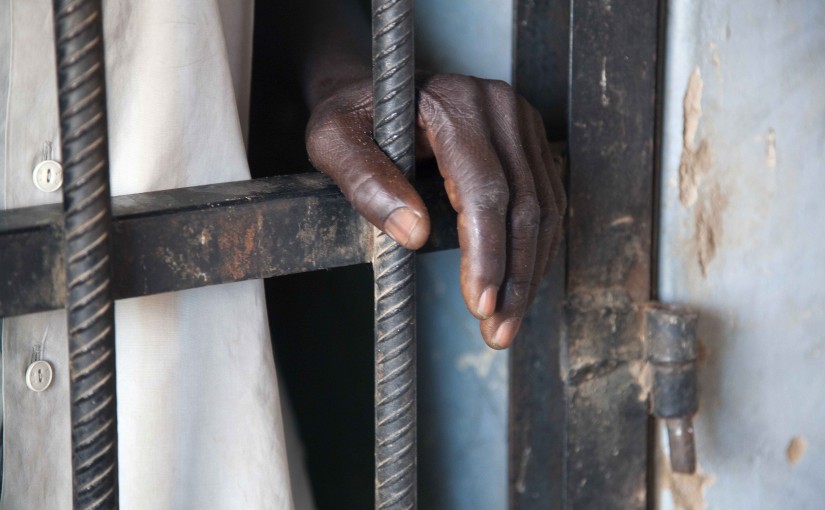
[87,216]
[394,266]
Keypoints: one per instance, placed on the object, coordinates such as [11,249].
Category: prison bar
[393,67]
[185,238]
[87,215]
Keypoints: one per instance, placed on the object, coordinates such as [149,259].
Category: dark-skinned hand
[499,172]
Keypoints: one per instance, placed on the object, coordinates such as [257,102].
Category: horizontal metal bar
[205,235]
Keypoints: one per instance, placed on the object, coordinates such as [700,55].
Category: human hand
[499,172]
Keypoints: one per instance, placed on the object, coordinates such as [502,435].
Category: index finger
[476,185]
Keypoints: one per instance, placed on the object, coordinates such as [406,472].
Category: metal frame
[541,32]
[612,130]
[581,440]
[578,441]
[87,216]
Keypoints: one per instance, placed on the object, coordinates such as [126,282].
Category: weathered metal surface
[536,393]
[87,215]
[541,60]
[742,243]
[536,417]
[611,159]
[396,405]
[670,335]
[32,274]
[193,237]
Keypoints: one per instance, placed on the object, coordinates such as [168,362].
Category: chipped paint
[521,485]
[695,161]
[796,449]
[687,492]
[708,228]
[603,83]
[770,149]
[622,220]
[714,56]
[641,371]
[761,110]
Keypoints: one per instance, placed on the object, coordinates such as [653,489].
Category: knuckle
[491,195]
[531,114]
[526,213]
[500,87]
[503,95]
[550,229]
[450,81]
[443,89]
[362,191]
[548,219]
[449,104]
[323,129]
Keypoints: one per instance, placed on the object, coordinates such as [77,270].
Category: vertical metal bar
[611,133]
[87,215]
[541,40]
[394,266]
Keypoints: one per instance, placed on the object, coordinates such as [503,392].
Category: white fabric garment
[198,408]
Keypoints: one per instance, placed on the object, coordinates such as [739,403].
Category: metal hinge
[670,334]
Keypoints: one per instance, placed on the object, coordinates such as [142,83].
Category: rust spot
[637,278]
[701,351]
[238,245]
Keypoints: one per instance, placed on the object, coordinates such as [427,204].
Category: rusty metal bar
[612,128]
[87,255]
[184,238]
[394,266]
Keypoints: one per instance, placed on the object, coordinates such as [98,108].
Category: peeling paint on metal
[770,149]
[603,83]
[641,372]
[708,227]
[796,449]
[687,492]
[695,162]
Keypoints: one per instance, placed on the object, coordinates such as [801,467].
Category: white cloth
[198,408]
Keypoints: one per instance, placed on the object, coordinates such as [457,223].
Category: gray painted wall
[742,240]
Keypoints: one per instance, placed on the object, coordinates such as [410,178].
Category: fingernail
[506,333]
[401,225]
[487,302]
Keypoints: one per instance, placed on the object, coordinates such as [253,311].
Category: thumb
[341,146]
